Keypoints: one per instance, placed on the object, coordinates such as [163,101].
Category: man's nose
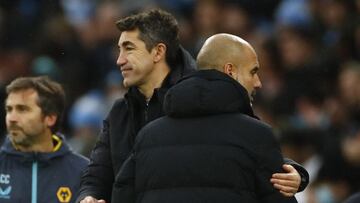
[258,83]
[12,116]
[121,60]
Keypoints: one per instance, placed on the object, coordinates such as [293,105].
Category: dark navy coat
[40,177]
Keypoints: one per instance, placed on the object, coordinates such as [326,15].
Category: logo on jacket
[64,194]
[5,188]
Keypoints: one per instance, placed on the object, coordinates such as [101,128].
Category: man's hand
[288,183]
[89,199]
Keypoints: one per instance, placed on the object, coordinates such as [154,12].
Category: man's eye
[22,109]
[7,109]
[129,48]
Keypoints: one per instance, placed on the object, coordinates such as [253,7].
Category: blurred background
[309,53]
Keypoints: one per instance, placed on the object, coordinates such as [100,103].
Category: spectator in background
[205,21]
[339,175]
[349,89]
[88,112]
[236,20]
[13,62]
[85,120]
[36,164]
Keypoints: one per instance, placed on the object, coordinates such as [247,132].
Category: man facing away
[36,164]
[151,61]
[209,147]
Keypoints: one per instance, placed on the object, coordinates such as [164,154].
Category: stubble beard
[19,138]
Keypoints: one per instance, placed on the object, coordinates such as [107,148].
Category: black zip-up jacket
[122,124]
[30,177]
[209,148]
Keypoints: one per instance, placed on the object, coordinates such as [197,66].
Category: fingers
[290,174]
[90,199]
[286,189]
[289,168]
[287,177]
[287,194]
[287,183]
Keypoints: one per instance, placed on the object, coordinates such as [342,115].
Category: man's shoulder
[254,122]
[118,110]
[236,118]
[254,128]
[78,158]
[259,132]
[71,156]
[119,104]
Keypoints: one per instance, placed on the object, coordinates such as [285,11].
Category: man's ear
[160,52]
[50,120]
[229,69]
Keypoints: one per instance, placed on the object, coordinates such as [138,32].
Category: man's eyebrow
[255,69]
[16,106]
[126,43]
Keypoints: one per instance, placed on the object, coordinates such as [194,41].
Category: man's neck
[154,82]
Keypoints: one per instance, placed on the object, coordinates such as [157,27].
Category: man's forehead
[251,54]
[129,35]
[24,95]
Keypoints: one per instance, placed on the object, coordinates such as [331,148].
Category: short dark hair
[51,95]
[155,26]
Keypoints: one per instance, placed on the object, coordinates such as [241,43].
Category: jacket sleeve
[302,171]
[124,186]
[270,161]
[98,178]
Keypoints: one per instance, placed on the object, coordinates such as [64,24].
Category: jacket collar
[60,149]
[207,92]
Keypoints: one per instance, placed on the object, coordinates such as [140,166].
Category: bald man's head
[223,48]
[232,55]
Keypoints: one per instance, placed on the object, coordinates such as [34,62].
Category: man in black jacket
[209,147]
[151,61]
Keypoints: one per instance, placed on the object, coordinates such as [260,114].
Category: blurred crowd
[309,53]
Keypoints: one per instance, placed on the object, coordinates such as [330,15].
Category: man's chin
[16,137]
[127,83]
[14,134]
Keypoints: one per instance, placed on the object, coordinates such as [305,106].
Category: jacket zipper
[34,182]
[146,111]
[147,103]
